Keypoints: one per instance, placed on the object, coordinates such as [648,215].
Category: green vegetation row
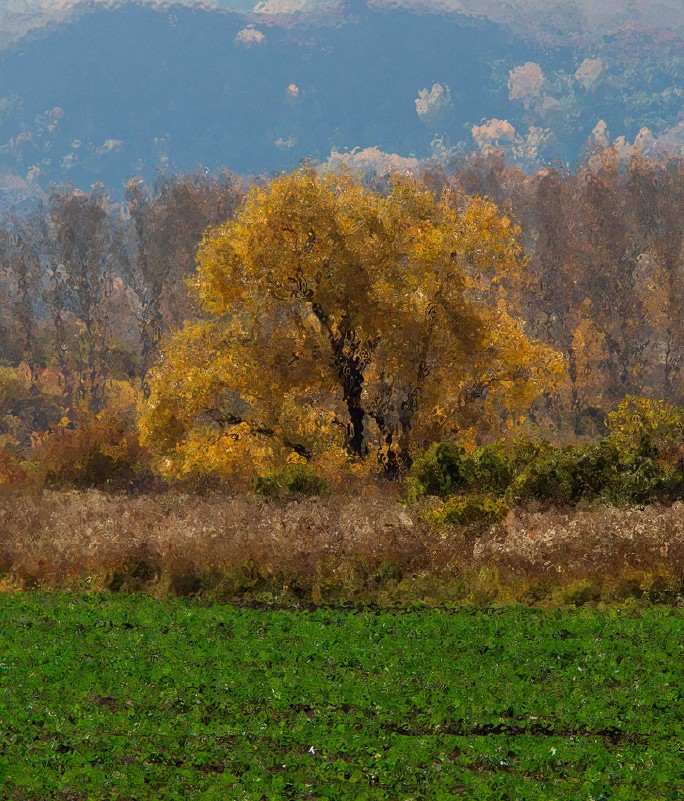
[641,460]
[638,462]
[128,698]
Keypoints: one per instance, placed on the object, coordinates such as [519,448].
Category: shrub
[469,509]
[640,461]
[269,485]
[595,468]
[413,490]
[437,470]
[566,475]
[648,437]
[642,481]
[672,485]
[95,450]
[13,472]
[548,478]
[641,427]
[295,479]
[489,469]
[524,449]
[25,407]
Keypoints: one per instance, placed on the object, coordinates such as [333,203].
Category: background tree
[21,237]
[28,404]
[605,247]
[349,322]
[167,222]
[85,260]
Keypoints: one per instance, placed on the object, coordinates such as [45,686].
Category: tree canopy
[342,323]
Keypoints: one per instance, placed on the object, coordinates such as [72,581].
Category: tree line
[366,318]
[606,268]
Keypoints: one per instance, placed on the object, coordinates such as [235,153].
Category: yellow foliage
[344,322]
[639,422]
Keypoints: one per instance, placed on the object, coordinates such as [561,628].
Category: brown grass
[366,548]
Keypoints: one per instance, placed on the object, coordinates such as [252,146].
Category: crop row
[129,698]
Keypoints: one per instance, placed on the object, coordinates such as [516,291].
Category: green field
[106,697]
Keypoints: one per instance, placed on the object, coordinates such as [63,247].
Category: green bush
[641,460]
[295,479]
[549,479]
[269,485]
[489,469]
[672,485]
[413,490]
[443,468]
[642,481]
[437,470]
[595,468]
[562,476]
[523,450]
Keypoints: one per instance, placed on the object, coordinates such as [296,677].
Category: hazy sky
[19,16]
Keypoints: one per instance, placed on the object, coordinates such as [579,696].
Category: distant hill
[540,20]
[125,90]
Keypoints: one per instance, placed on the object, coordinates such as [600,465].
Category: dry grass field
[366,548]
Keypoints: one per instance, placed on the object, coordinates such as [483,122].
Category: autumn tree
[344,323]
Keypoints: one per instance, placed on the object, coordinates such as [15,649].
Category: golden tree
[345,323]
